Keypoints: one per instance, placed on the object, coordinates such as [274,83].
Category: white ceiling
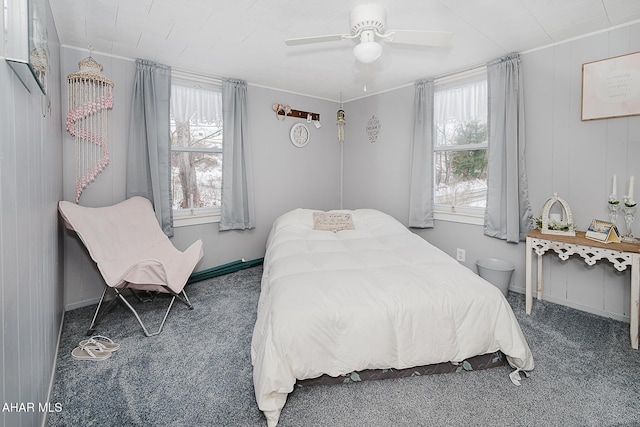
[245,38]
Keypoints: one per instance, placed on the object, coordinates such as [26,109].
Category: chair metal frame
[131,252]
[97,316]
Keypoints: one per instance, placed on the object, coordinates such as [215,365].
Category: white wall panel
[576,159]
[585,155]
[30,251]
[285,177]
[377,174]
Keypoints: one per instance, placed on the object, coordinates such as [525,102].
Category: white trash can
[496,271]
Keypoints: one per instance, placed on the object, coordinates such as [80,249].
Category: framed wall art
[611,87]
[26,49]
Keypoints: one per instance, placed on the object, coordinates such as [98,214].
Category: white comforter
[375,297]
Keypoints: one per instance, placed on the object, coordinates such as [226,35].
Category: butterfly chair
[131,252]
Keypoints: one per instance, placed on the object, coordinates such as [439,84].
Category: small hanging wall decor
[90,96]
[373,128]
[340,121]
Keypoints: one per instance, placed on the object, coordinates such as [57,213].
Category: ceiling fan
[367,23]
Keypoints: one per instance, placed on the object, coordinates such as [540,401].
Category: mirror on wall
[26,49]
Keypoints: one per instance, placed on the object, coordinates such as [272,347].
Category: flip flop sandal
[86,353]
[100,343]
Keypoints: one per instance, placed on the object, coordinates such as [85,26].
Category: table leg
[528,298]
[635,300]
[539,278]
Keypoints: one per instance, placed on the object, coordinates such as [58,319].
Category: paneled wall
[377,173]
[578,159]
[82,278]
[30,252]
[574,158]
[565,155]
[285,177]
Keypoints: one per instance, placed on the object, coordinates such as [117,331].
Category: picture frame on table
[602,231]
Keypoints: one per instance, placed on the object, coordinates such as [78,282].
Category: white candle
[614,192]
[630,195]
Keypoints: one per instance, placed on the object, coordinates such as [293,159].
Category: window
[460,144]
[196,152]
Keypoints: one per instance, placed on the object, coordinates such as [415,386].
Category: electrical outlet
[460,254]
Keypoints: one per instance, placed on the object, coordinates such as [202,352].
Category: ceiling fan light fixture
[368,24]
[367,52]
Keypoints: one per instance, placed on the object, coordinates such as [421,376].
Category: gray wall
[565,155]
[82,278]
[30,253]
[285,177]
[578,159]
[574,158]
[377,174]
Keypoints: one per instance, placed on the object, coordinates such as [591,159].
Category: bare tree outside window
[196,154]
[460,149]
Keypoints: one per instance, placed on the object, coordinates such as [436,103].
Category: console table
[621,255]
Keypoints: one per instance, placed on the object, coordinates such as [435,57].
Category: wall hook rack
[284,111]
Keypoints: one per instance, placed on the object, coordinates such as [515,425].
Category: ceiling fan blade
[425,38]
[317,39]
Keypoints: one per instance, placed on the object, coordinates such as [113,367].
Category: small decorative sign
[373,128]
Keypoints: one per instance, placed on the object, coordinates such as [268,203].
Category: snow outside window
[196,152]
[460,145]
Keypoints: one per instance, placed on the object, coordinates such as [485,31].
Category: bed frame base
[476,363]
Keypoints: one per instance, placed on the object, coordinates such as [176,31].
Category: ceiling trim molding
[367,95]
[291,92]
[95,52]
[604,30]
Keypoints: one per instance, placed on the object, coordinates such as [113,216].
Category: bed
[346,291]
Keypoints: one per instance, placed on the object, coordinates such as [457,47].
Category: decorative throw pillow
[332,221]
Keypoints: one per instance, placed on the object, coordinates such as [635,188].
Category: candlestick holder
[629,214]
[613,213]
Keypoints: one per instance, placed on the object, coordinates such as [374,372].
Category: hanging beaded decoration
[90,96]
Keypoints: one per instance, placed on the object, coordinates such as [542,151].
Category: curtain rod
[460,73]
[194,77]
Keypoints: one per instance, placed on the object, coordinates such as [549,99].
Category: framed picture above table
[611,87]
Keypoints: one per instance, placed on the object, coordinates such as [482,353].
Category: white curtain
[464,102]
[508,208]
[421,192]
[187,102]
[237,175]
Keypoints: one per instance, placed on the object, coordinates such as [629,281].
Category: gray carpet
[198,372]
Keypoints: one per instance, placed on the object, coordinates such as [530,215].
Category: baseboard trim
[572,304]
[80,304]
[230,267]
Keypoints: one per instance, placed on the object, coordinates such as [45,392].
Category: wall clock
[299,134]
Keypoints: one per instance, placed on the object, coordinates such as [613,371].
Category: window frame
[207,215]
[453,213]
